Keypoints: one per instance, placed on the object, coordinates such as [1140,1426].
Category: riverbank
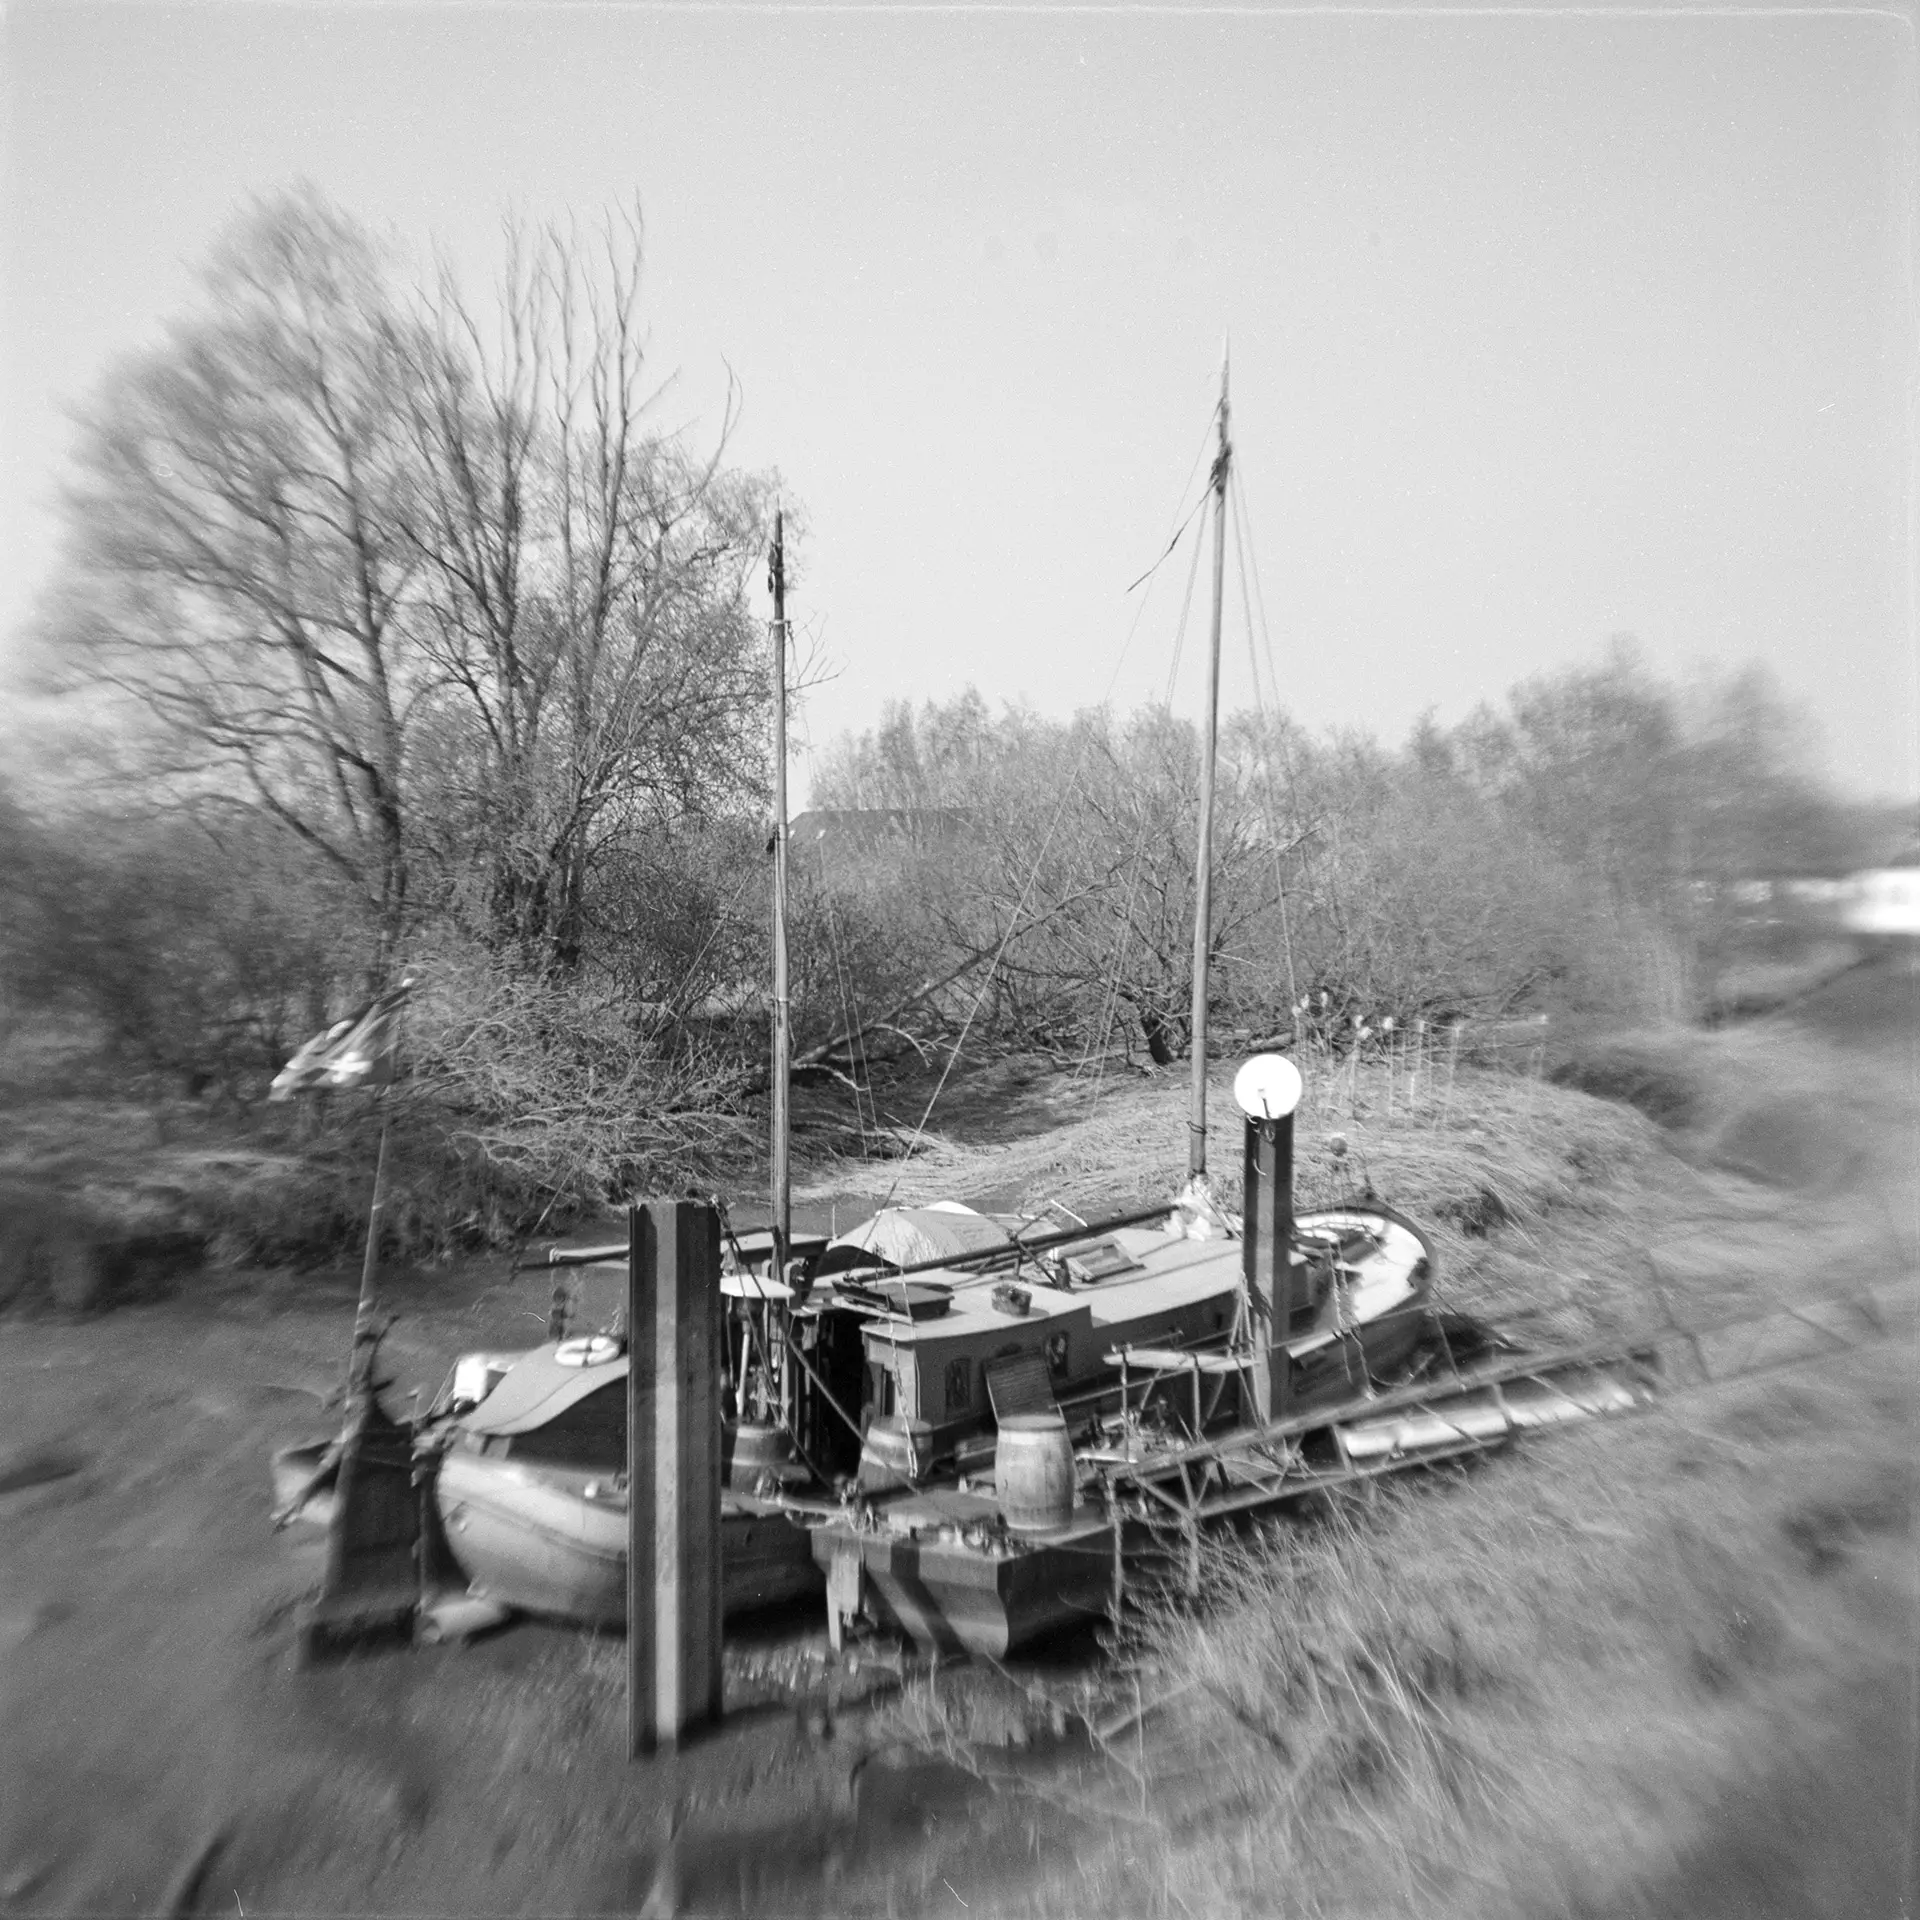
[1657,1667]
[1539,1686]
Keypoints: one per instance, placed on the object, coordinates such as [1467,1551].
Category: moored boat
[1145,1337]
[1061,1328]
[530,1486]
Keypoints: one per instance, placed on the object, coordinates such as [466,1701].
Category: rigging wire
[865,1101]
[1244,558]
[842,982]
[843,992]
[1180,633]
[985,987]
[1197,506]
[1243,516]
[1140,606]
[1206,439]
[1110,1007]
[720,920]
[1243,520]
[1074,780]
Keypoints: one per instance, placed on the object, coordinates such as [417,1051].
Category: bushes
[199,950]
[1551,859]
[1513,869]
[555,1092]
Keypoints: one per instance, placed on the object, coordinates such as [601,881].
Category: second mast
[1203,878]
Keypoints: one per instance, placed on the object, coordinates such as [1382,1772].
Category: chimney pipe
[1267,1257]
[1268,1090]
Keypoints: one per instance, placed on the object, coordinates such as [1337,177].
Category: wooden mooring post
[673,1472]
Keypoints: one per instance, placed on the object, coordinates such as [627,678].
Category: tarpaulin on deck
[907,1236]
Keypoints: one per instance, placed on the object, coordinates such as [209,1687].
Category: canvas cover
[907,1236]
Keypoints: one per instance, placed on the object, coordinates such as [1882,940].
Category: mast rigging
[782,1010]
[1203,879]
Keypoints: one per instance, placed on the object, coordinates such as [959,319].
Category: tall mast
[782,1036]
[1203,885]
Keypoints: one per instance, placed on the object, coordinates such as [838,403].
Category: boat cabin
[975,1346]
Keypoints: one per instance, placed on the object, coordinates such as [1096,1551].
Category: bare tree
[1079,840]
[585,582]
[238,564]
[416,578]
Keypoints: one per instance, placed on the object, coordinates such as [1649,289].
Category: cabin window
[959,1385]
[880,1388]
[590,1433]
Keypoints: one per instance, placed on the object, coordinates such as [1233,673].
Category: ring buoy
[590,1350]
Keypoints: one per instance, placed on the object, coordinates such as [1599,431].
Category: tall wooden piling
[673,1472]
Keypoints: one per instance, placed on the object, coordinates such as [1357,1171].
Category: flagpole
[779,1145]
[360,1368]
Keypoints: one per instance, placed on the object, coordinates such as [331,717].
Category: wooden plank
[1020,1384]
[846,1590]
[1267,1259]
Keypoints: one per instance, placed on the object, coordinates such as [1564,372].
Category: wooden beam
[673,1472]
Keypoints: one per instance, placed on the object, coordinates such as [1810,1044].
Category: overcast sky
[1545,326]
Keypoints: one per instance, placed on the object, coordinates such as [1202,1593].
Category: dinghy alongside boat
[530,1487]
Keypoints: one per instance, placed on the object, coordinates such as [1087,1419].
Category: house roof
[864,828]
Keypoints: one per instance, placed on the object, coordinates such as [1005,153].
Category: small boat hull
[535,1538]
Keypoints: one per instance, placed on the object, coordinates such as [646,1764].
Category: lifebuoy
[589,1350]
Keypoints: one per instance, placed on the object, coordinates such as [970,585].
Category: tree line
[393,629]
[1571,852]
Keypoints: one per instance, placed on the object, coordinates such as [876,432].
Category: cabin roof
[861,829]
[759,1240]
[1172,1273]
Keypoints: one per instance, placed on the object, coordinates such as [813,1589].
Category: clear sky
[1546,325]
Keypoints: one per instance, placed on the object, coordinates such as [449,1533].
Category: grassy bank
[1515,1688]
[1524,1686]
[1498,1692]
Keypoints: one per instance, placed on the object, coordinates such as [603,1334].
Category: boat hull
[953,1598]
[533,1538]
[1357,1362]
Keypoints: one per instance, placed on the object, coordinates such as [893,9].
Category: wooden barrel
[752,1451]
[1033,1472]
[893,1453]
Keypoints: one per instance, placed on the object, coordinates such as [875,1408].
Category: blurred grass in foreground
[1517,1686]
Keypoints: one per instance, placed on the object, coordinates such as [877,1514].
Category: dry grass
[1477,1144]
[1517,1687]
[1503,1691]
[1485,1160]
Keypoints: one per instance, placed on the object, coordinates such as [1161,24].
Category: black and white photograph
[960,958]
